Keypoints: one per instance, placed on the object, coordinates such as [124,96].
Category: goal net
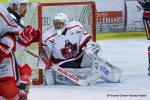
[40,16]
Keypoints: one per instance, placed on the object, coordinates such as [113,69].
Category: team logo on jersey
[78,32]
[70,50]
[52,41]
[11,20]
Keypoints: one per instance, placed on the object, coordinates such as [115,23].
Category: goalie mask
[19,6]
[60,22]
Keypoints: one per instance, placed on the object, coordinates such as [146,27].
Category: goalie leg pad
[109,72]
[49,77]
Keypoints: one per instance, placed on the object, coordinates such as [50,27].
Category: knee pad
[109,72]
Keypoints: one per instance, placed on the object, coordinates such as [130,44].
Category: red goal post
[91,18]
[84,12]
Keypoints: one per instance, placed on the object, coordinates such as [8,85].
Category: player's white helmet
[17,4]
[60,18]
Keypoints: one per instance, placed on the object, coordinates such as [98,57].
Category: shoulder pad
[49,33]
[74,23]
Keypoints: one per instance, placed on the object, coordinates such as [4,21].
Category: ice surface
[128,54]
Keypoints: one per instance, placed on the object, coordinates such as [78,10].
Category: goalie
[68,45]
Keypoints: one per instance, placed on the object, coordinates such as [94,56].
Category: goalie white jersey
[65,50]
[68,44]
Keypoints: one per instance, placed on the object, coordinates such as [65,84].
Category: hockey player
[145,4]
[18,9]
[71,47]
[14,78]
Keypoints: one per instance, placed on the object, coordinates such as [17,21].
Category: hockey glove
[28,36]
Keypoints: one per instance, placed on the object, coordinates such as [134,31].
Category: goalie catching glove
[109,73]
[28,36]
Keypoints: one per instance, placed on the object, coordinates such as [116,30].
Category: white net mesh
[77,12]
[31,17]
[28,56]
[81,13]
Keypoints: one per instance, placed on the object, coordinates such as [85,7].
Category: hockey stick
[31,53]
[70,76]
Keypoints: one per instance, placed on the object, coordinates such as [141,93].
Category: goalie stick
[70,76]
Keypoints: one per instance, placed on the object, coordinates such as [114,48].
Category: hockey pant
[9,88]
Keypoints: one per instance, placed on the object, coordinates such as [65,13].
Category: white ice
[128,54]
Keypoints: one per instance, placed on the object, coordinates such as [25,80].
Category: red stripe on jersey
[9,24]
[49,38]
[146,14]
[73,27]
[84,33]
[49,27]
[4,48]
